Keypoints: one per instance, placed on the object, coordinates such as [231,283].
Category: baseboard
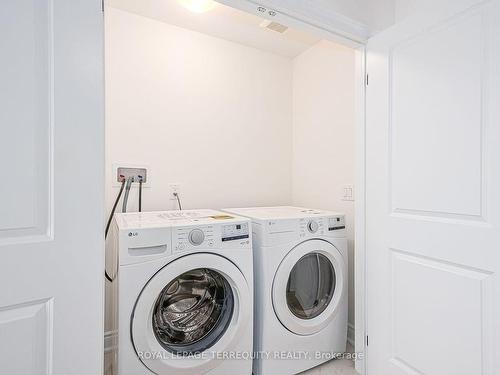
[350,334]
[110,341]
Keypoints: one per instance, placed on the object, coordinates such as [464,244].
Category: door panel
[433,193]
[33,322]
[26,29]
[432,300]
[51,194]
[443,68]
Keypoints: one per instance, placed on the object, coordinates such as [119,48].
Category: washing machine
[185,293]
[300,265]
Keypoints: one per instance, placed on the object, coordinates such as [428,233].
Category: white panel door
[433,193]
[51,193]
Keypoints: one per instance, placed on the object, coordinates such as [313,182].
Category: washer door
[308,287]
[193,307]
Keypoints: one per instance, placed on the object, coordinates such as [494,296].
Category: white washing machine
[300,265]
[185,293]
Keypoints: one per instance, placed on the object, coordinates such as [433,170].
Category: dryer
[185,293]
[300,265]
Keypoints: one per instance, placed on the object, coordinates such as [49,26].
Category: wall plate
[137,174]
[114,180]
[174,187]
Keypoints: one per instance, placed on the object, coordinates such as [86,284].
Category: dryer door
[308,287]
[195,306]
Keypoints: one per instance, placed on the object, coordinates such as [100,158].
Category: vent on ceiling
[274,26]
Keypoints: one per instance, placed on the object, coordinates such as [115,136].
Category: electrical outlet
[174,188]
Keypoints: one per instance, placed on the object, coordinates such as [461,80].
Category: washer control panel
[188,238]
[217,236]
[233,232]
[336,223]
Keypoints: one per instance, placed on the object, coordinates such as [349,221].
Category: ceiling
[222,22]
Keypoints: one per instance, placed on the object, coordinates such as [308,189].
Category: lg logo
[133,234]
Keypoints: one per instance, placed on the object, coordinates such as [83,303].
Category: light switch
[348,193]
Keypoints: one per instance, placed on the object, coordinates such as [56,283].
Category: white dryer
[184,293]
[300,265]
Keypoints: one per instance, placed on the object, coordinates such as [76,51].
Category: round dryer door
[308,286]
[196,303]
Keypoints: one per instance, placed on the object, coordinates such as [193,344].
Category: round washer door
[195,305]
[308,287]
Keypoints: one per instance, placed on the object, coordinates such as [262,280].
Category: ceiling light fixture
[198,6]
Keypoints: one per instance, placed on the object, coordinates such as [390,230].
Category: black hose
[140,196]
[109,223]
[114,209]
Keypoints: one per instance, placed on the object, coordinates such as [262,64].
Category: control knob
[312,226]
[196,237]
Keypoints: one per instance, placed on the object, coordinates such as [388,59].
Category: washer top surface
[281,212]
[158,219]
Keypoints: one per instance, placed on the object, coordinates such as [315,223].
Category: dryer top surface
[281,212]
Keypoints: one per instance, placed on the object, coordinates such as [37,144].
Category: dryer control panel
[336,223]
[312,226]
[321,226]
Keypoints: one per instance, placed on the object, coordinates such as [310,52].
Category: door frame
[360,335]
[354,35]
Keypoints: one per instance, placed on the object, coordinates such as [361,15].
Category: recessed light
[198,6]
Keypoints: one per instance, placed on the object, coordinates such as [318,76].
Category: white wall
[210,114]
[323,134]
